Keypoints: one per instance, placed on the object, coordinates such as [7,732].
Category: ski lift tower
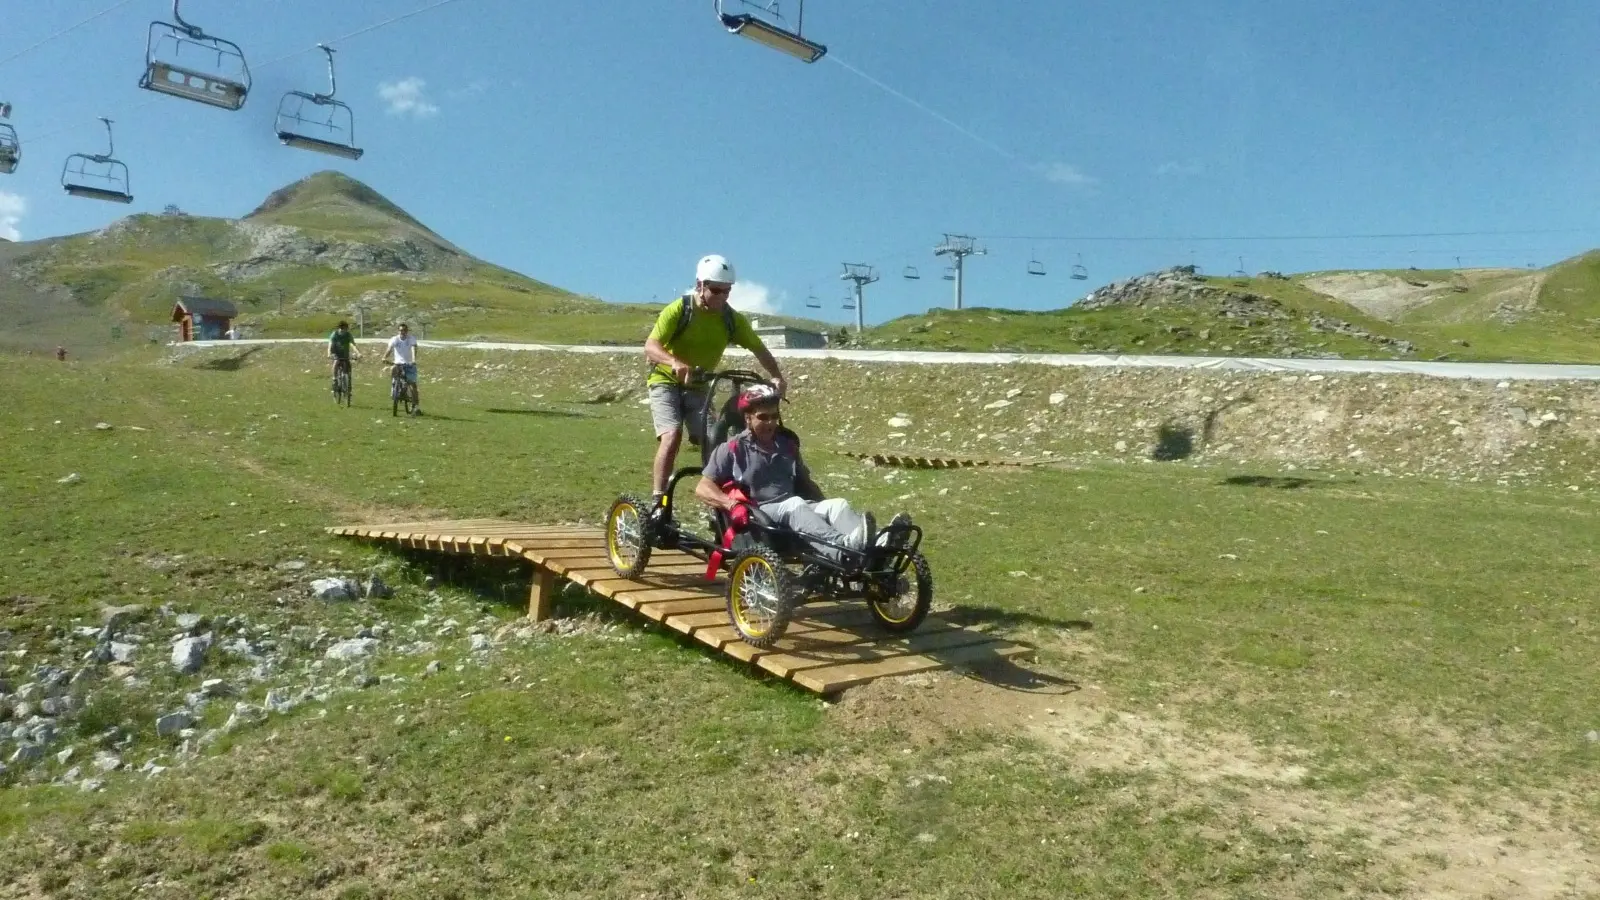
[958,246]
[862,275]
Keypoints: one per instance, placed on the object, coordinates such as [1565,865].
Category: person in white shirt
[402,350]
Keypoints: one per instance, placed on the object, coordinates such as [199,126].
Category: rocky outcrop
[1181,285]
[275,247]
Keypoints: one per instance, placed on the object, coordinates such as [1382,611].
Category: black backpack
[688,313]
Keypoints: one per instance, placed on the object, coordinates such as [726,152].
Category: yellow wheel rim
[899,607]
[623,535]
[755,595]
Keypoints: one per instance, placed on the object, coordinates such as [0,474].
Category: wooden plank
[661,609]
[839,647]
[636,599]
[542,594]
[561,564]
[546,544]
[588,576]
[833,679]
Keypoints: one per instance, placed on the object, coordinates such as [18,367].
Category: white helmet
[714,268]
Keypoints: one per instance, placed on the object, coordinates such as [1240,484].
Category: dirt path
[1491,846]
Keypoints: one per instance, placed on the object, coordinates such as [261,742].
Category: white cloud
[405,97]
[12,206]
[1069,175]
[750,297]
[1178,169]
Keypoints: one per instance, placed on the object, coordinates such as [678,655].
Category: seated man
[767,464]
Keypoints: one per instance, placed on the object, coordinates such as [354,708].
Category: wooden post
[542,596]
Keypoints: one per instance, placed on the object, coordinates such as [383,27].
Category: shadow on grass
[429,415]
[542,413]
[1281,482]
[1006,673]
[229,363]
[968,616]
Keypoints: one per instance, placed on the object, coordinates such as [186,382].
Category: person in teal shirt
[341,344]
[692,332]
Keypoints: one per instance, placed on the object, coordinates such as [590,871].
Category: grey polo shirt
[768,474]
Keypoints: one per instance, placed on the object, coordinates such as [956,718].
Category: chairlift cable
[63,32]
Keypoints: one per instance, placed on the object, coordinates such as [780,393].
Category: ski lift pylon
[911,274]
[10,147]
[1079,273]
[109,180]
[214,73]
[333,134]
[770,34]
[1035,267]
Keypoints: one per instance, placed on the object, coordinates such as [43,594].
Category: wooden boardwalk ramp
[828,647]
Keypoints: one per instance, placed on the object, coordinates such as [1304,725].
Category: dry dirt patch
[1482,847]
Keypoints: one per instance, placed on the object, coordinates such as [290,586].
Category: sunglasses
[719,290]
[765,417]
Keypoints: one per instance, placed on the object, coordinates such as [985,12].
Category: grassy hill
[1545,315]
[314,251]
[302,260]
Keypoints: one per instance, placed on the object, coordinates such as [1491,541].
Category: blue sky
[605,147]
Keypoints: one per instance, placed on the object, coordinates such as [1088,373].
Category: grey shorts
[672,407]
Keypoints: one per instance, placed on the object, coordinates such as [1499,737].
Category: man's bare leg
[666,455]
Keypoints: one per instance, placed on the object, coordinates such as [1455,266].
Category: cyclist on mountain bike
[403,349]
[341,345]
[692,332]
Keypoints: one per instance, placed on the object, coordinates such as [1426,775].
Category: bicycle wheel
[396,388]
[411,399]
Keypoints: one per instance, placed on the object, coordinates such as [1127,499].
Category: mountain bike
[401,390]
[342,382]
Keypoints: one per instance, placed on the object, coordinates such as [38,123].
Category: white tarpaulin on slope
[1468,370]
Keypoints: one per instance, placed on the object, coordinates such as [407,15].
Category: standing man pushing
[692,332]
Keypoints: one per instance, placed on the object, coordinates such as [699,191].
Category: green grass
[1393,638]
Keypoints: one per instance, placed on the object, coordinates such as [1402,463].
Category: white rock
[1057,398]
[123,653]
[216,687]
[998,404]
[244,714]
[278,701]
[478,642]
[102,426]
[189,653]
[106,761]
[334,589]
[74,478]
[174,722]
[900,422]
[355,648]
[1122,446]
[1014,393]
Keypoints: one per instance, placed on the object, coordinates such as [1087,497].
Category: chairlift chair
[333,133]
[108,180]
[911,274]
[1079,273]
[1240,276]
[849,302]
[10,147]
[1035,267]
[949,273]
[769,33]
[812,302]
[214,73]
